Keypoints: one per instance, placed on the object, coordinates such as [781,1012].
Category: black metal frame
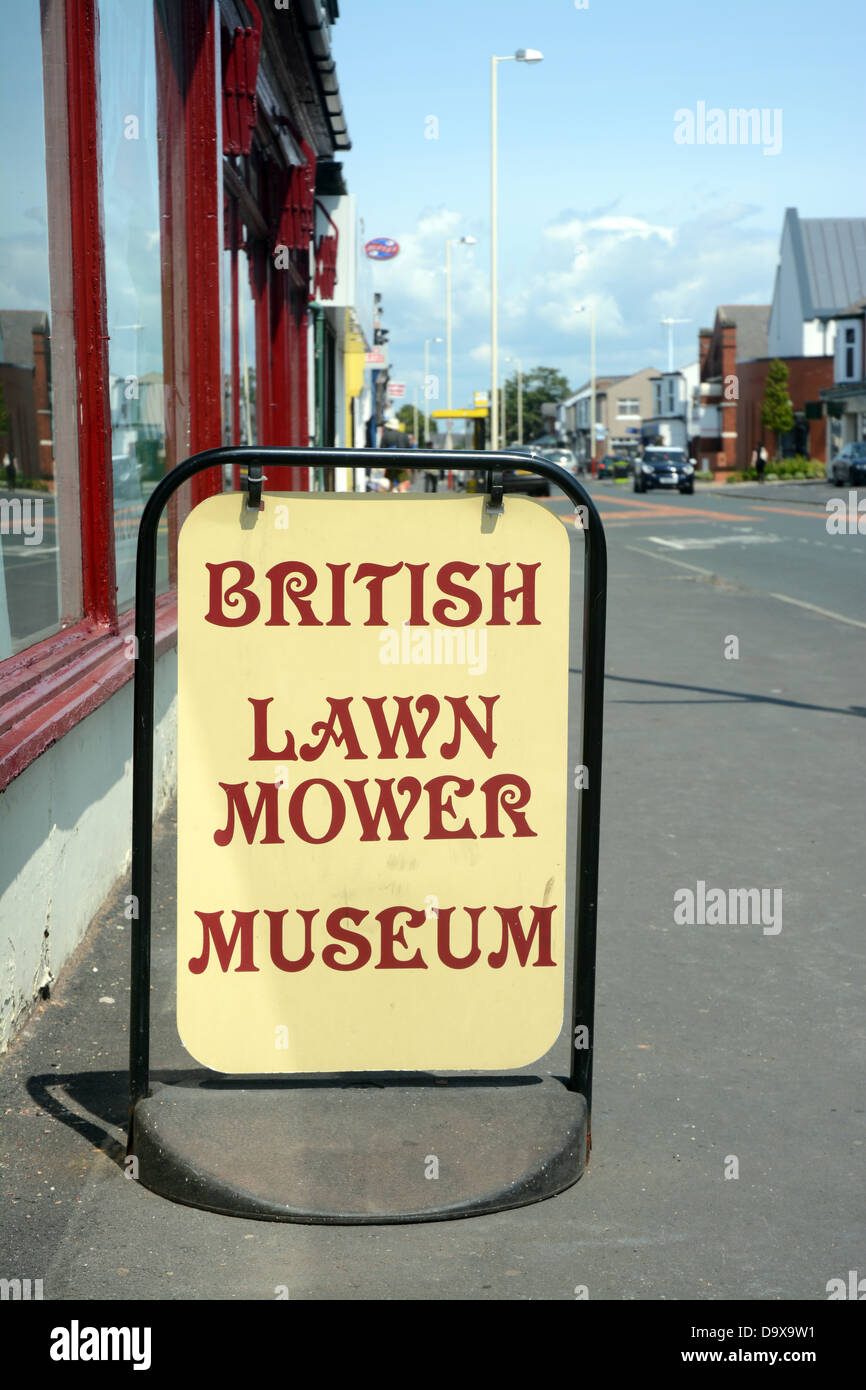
[595,600]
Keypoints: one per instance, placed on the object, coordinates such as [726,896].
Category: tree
[776,412]
[406,417]
[541,385]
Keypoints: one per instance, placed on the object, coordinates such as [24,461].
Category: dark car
[126,472]
[849,466]
[517,479]
[665,468]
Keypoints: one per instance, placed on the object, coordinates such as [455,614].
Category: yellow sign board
[460,414]
[372,783]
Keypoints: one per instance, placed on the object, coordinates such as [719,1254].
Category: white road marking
[708,542]
[654,555]
[783,598]
[813,608]
[30,552]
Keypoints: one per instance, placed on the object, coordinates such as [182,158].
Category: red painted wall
[807,376]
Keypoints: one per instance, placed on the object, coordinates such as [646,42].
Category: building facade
[738,335]
[622,403]
[844,403]
[163,251]
[672,423]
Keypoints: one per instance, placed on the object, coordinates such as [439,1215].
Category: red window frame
[49,687]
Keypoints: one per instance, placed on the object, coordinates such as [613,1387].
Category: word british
[294,592]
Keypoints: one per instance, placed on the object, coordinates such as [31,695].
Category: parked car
[126,472]
[564,457]
[612,466]
[522,480]
[849,466]
[664,468]
[518,480]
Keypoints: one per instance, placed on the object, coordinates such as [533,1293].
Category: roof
[830,260]
[752,322]
[16,334]
[601,384]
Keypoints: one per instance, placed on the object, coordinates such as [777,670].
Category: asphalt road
[728,1121]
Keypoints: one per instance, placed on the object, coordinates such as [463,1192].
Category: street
[728,1112]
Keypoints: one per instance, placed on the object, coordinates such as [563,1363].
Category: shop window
[40,588]
[132,276]
[240,423]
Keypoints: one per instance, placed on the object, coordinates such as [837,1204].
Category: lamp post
[580,309]
[427,342]
[463,241]
[669,324]
[523,55]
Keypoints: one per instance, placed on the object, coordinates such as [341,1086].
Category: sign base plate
[361,1149]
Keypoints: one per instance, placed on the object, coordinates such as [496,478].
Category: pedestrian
[11,472]
[431,480]
[758,460]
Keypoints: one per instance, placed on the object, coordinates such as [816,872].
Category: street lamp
[427,342]
[523,55]
[669,324]
[580,309]
[462,241]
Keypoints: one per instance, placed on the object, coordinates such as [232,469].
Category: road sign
[382,248]
[396,389]
[371,859]
[376,358]
[480,398]
[479,414]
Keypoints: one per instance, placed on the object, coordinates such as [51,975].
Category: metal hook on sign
[495,501]
[255,478]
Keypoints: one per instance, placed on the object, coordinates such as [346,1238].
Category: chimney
[705,337]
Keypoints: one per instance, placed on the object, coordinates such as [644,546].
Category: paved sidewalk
[811,492]
[714,1043]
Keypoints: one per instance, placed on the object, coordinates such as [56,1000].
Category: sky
[602,198]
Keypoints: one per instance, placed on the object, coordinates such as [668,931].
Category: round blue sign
[382,248]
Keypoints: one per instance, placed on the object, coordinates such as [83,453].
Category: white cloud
[623,228]
[634,270]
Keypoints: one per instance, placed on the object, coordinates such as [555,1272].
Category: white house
[846,400]
[673,421]
[822,268]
